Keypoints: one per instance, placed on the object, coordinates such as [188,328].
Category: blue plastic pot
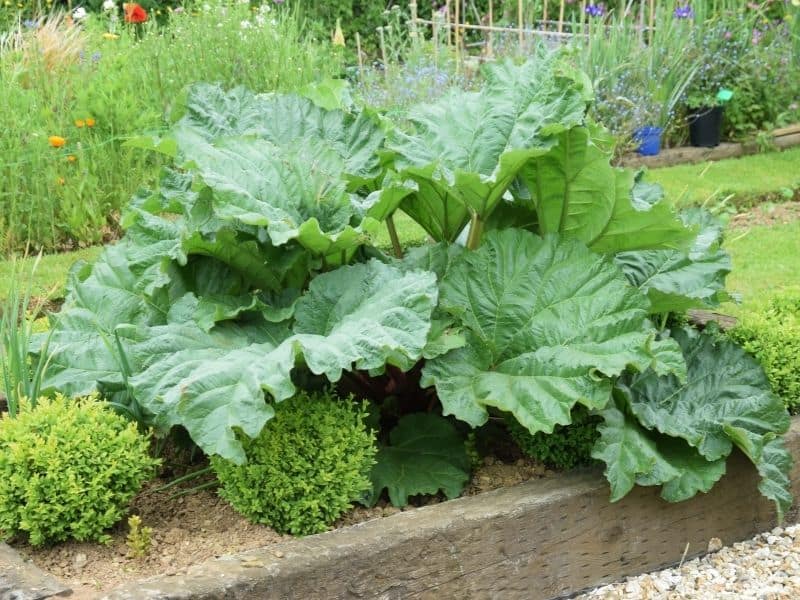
[649,139]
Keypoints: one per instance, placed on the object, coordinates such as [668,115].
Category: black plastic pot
[705,126]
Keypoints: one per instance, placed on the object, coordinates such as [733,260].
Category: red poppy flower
[134,13]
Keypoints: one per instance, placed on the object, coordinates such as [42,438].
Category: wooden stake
[519,24]
[544,16]
[652,18]
[457,38]
[435,21]
[413,33]
[360,59]
[561,17]
[383,49]
[447,17]
[489,50]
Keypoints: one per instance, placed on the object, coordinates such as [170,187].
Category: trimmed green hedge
[773,337]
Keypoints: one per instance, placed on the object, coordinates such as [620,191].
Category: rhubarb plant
[252,271]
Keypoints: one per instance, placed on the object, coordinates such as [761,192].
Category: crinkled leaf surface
[285,120]
[211,383]
[466,149]
[425,455]
[296,195]
[725,401]
[676,280]
[634,454]
[364,316]
[545,320]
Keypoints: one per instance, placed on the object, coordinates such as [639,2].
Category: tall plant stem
[475,232]
[398,250]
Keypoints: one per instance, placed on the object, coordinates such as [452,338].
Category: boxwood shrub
[773,337]
[308,465]
[68,470]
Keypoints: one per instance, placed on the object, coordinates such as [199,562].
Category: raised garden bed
[786,137]
[540,539]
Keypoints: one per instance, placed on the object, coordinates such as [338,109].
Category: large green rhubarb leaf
[546,323]
[466,149]
[725,401]
[676,280]
[295,195]
[634,455]
[364,316]
[425,455]
[285,120]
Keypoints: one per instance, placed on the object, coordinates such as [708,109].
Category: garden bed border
[781,139]
[545,539]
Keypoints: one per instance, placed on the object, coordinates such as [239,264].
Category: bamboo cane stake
[435,21]
[447,17]
[501,29]
[652,21]
[544,15]
[489,50]
[383,49]
[360,58]
[457,38]
[561,17]
[519,24]
[412,25]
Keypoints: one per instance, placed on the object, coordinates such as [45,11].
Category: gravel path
[764,568]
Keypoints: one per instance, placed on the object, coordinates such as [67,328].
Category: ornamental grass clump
[68,469]
[305,469]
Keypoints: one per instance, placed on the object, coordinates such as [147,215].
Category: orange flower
[71,158]
[56,141]
[90,122]
[134,13]
[79,123]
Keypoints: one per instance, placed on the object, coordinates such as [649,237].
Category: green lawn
[765,259]
[50,275]
[745,178]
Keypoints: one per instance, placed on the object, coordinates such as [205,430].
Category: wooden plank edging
[541,539]
[786,137]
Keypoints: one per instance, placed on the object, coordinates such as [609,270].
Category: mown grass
[746,179]
[765,260]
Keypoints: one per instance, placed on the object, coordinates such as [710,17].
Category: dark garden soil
[192,528]
[766,214]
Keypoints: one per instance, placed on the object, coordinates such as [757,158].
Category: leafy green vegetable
[547,323]
[425,454]
[725,401]
[677,280]
[466,149]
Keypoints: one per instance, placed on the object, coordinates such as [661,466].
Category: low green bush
[308,465]
[68,470]
[569,446]
[773,337]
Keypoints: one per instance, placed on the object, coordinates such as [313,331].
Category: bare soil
[193,528]
[766,214]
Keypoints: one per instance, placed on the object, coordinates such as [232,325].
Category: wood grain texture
[538,540]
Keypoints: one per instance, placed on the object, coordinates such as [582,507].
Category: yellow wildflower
[110,36]
[71,158]
[80,123]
